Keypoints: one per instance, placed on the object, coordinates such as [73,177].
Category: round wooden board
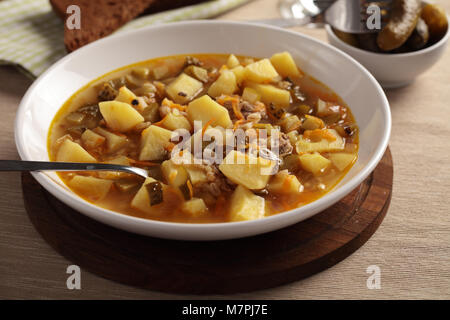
[218,267]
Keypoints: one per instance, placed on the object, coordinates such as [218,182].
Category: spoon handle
[285,23]
[19,165]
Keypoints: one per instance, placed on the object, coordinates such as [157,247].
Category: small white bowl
[393,70]
[339,71]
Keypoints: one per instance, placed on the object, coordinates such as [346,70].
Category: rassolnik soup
[224,138]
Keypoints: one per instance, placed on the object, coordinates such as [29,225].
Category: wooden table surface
[411,248]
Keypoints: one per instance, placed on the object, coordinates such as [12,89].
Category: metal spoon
[18,165]
[344,15]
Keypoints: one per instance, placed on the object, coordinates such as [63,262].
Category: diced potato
[92,140]
[183,89]
[160,72]
[70,151]
[114,141]
[175,175]
[312,123]
[239,74]
[284,183]
[121,160]
[232,61]
[225,84]
[322,107]
[290,123]
[270,94]
[114,175]
[198,73]
[251,95]
[120,116]
[249,171]
[315,163]
[196,175]
[194,207]
[206,109]
[90,187]
[173,122]
[304,146]
[325,108]
[141,200]
[284,64]
[154,140]
[342,160]
[260,71]
[245,205]
[125,95]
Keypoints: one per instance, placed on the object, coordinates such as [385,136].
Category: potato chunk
[175,175]
[92,140]
[194,207]
[250,95]
[114,175]
[90,187]
[315,163]
[173,122]
[183,89]
[245,205]
[284,64]
[239,72]
[206,109]
[302,145]
[284,183]
[270,94]
[70,151]
[120,116]
[232,61]
[261,71]
[196,175]
[141,200]
[125,95]
[342,160]
[154,141]
[114,141]
[225,84]
[249,171]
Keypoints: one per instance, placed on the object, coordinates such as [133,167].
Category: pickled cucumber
[402,22]
[436,19]
[420,36]
[368,41]
[348,38]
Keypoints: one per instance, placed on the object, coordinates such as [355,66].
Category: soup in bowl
[236,143]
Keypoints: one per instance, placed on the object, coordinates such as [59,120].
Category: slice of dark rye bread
[100,18]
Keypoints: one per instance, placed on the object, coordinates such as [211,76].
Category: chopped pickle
[155,192]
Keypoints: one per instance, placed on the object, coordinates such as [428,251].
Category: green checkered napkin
[31,35]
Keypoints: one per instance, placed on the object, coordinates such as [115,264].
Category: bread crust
[100,18]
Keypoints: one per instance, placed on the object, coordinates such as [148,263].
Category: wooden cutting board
[215,267]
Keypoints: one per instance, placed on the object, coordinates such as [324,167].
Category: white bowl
[339,71]
[393,70]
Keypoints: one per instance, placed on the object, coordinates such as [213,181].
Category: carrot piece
[191,190]
[207,125]
[237,123]
[169,147]
[143,163]
[317,134]
[159,123]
